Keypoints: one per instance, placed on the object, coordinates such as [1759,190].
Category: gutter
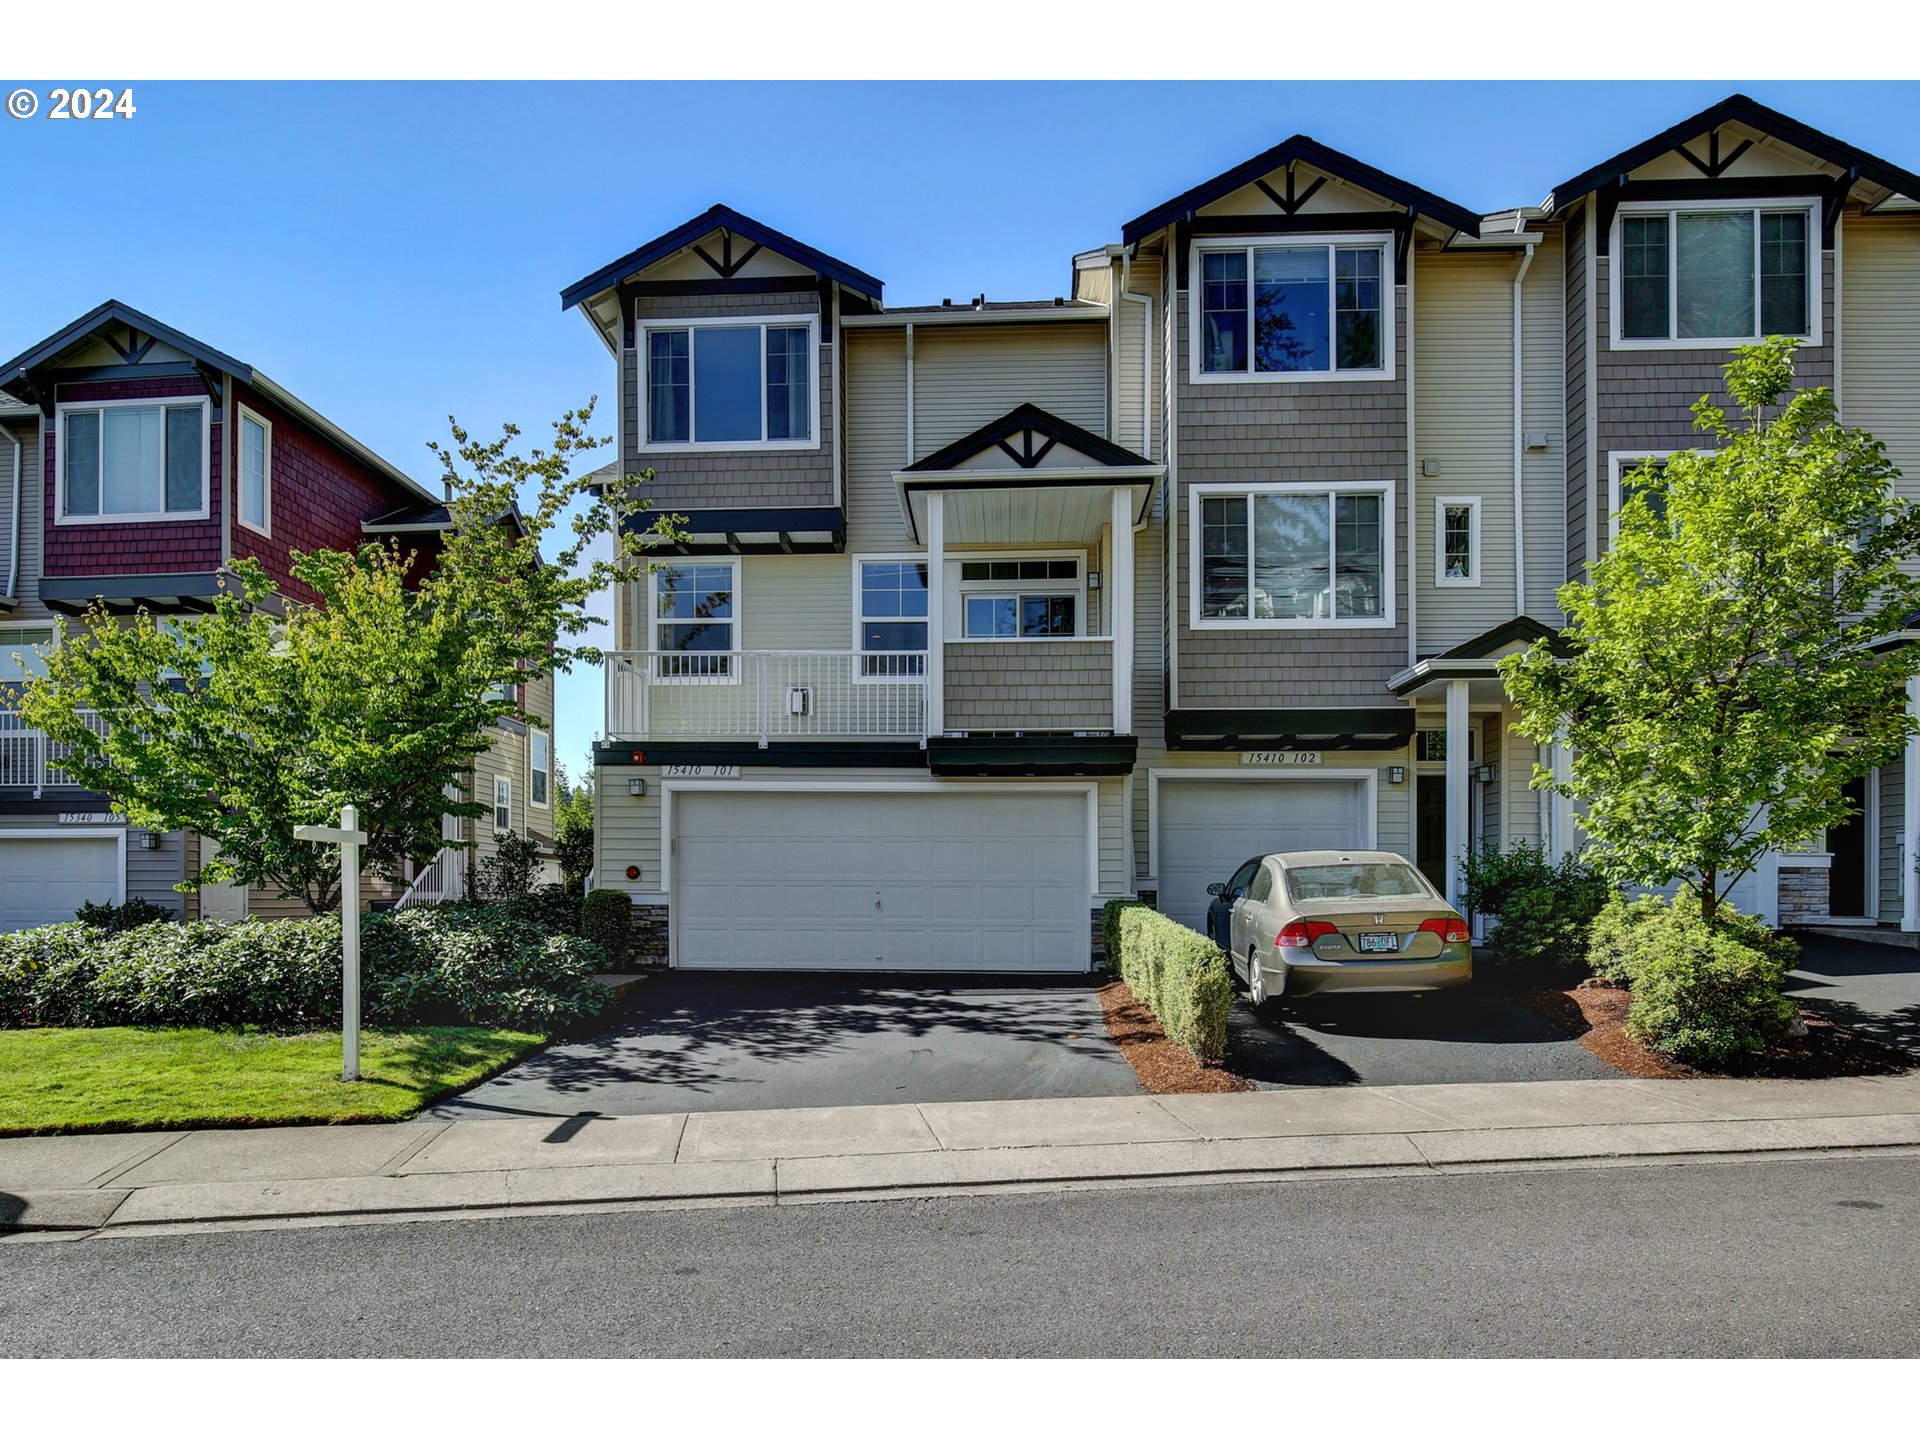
[1083,311]
[1519,442]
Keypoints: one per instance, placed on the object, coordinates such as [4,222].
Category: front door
[1847,843]
[1430,829]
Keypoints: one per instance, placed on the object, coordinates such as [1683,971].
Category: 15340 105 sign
[1279,757]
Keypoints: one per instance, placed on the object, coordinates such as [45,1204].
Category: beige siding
[1113,837]
[796,602]
[967,375]
[876,438]
[1544,409]
[1880,337]
[1464,377]
[1137,344]
[1893,786]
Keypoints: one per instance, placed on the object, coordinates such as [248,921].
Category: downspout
[1519,445]
[910,455]
[13,545]
[1145,302]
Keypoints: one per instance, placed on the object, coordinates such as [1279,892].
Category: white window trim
[157,402]
[535,769]
[8,647]
[502,800]
[690,323]
[859,619]
[1619,463]
[265,527]
[1674,208]
[963,590]
[655,620]
[1390,567]
[1441,504]
[1389,288]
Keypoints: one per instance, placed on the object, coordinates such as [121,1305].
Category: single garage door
[926,880]
[44,879]
[1209,827]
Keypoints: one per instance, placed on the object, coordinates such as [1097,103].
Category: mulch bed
[1595,1014]
[1164,1067]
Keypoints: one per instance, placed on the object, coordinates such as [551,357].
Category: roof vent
[1059,300]
[980,301]
[946,302]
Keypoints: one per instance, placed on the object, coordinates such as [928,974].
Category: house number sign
[1279,757]
[699,772]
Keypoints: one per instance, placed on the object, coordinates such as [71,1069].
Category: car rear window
[1360,880]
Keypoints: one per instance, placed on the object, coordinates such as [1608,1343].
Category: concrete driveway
[1465,1036]
[1874,989]
[705,1041]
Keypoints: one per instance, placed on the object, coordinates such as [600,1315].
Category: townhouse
[136,464]
[991,611]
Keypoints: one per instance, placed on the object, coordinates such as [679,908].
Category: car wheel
[1256,985]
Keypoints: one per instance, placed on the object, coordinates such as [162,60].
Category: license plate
[1378,941]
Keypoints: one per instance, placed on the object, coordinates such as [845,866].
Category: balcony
[1055,685]
[766,695]
[30,761]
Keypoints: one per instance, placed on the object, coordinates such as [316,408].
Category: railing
[445,877]
[766,694]
[28,759]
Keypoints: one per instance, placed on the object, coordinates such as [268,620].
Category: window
[1457,534]
[537,747]
[1300,309]
[133,462]
[1631,474]
[1019,599]
[891,614]
[256,471]
[17,645]
[502,804]
[747,382]
[1713,274]
[694,616]
[1262,886]
[1431,746]
[1293,554]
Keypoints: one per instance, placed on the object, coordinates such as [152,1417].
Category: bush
[509,873]
[606,919]
[1627,932]
[553,908]
[1545,909]
[130,916]
[1177,973]
[442,964]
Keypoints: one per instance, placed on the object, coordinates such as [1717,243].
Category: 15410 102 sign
[1279,757]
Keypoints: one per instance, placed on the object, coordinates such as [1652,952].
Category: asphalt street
[1755,1258]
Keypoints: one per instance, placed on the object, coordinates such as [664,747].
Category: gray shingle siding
[735,478]
[1014,685]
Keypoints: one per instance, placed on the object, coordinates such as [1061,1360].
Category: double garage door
[1208,828]
[45,878]
[933,880]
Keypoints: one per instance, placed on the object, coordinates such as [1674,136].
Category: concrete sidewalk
[142,1183]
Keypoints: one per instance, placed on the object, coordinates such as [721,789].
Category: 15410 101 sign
[699,772]
[1279,757]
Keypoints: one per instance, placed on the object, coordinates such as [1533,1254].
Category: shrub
[130,916]
[1545,908]
[46,974]
[510,872]
[1177,973]
[606,919]
[552,908]
[1629,932]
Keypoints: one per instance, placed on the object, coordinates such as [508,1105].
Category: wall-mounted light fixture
[1483,773]
[1093,579]
[1396,774]
[636,787]
[150,840]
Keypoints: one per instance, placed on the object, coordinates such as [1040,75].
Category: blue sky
[393,253]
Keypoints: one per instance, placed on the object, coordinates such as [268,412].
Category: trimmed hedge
[431,965]
[1177,973]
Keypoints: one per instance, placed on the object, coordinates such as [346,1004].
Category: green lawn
[133,1078]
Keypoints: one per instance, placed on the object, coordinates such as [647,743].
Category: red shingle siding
[140,548]
[320,497]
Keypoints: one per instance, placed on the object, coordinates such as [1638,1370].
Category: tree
[243,723]
[573,831]
[1729,672]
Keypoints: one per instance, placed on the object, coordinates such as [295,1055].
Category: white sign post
[349,837]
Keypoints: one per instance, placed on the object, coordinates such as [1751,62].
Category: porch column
[1120,608]
[1910,820]
[1457,800]
[936,612]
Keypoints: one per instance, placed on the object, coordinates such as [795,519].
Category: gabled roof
[1522,629]
[721,217]
[1321,157]
[16,378]
[1741,110]
[1040,422]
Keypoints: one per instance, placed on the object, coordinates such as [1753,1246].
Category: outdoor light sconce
[150,840]
[1483,773]
[1396,774]
[636,787]
[1093,579]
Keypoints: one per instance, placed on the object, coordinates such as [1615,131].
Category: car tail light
[1451,929]
[1302,933]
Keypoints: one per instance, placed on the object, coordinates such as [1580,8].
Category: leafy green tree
[268,713]
[1728,674]
[573,830]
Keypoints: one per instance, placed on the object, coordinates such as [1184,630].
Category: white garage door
[1209,827]
[44,879]
[926,880]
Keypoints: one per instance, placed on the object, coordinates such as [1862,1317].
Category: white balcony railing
[766,695]
[29,760]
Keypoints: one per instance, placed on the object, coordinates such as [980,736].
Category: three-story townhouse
[995,610]
[138,463]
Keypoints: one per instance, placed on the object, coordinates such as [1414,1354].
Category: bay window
[1714,274]
[1281,555]
[695,619]
[732,382]
[1300,308]
[145,461]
